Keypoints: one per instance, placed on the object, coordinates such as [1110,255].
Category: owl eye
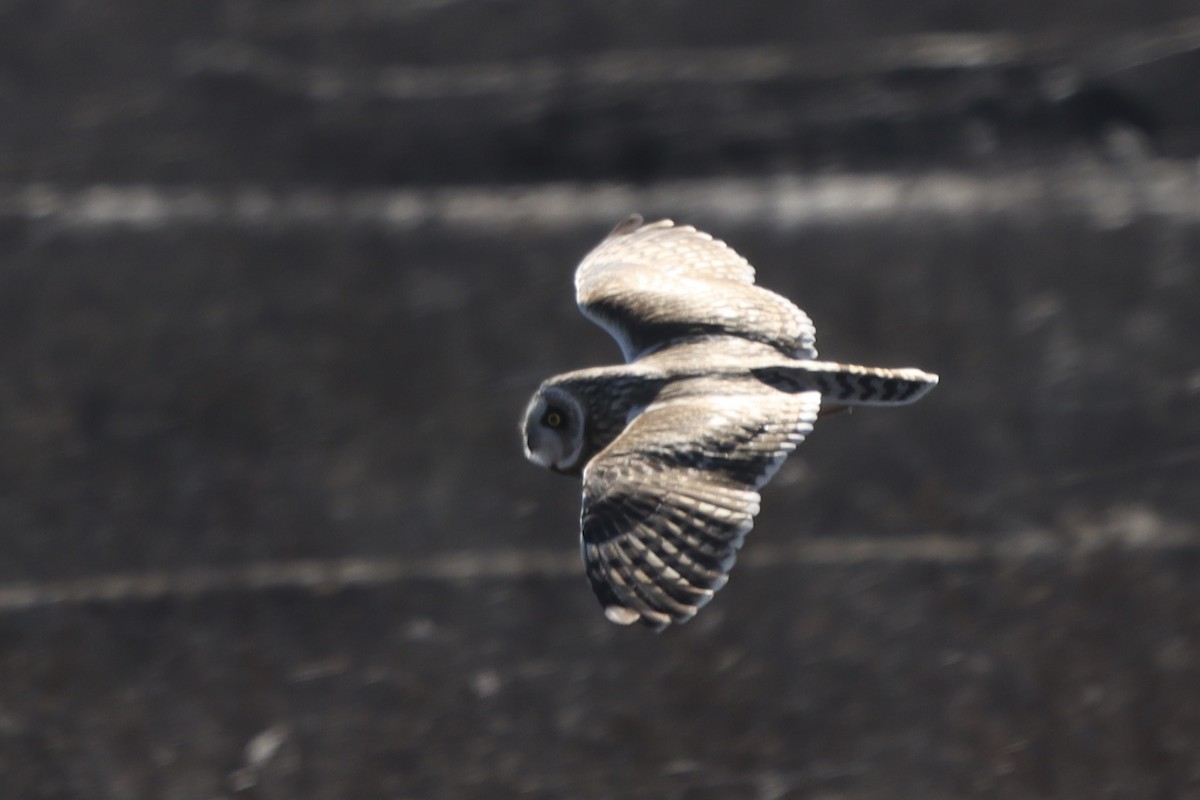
[553,419]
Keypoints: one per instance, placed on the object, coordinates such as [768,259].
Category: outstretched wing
[667,505]
[651,285]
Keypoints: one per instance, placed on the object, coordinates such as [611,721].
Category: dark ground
[276,281]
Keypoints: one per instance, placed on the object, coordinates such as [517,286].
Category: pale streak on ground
[326,576]
[1106,195]
[712,66]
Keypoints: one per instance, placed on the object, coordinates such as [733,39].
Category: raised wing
[652,285]
[667,505]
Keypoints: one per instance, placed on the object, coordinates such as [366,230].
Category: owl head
[554,431]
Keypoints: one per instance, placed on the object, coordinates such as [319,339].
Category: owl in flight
[720,383]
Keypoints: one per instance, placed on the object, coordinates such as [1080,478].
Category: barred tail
[849,384]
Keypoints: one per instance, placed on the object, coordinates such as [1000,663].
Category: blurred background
[277,280]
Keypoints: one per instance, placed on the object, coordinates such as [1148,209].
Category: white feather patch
[621,615]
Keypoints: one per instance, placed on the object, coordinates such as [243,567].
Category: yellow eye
[553,419]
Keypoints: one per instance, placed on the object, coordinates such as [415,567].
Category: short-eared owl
[721,383]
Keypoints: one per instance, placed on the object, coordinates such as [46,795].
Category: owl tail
[848,384]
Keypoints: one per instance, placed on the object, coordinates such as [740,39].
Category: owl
[720,382]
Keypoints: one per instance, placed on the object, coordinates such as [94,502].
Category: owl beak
[536,457]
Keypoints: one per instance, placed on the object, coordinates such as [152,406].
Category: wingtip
[654,620]
[635,222]
[628,225]
[621,615]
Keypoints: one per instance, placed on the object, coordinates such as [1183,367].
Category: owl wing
[652,285]
[667,505]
